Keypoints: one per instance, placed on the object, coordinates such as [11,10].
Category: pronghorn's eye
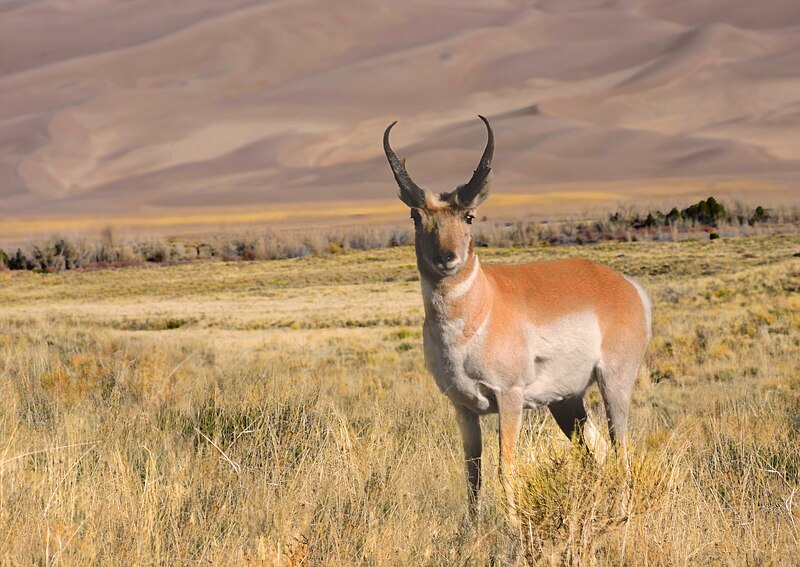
[469,219]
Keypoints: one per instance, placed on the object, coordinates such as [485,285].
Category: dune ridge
[154,110]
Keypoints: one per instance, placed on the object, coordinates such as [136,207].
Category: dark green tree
[760,215]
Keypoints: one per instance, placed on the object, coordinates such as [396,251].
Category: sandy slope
[152,109]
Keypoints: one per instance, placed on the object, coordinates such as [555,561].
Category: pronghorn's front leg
[470,426]
[509,406]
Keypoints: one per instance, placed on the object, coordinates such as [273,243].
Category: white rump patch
[648,306]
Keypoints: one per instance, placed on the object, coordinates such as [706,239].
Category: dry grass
[279,412]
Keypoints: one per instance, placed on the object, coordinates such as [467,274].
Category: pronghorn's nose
[444,257]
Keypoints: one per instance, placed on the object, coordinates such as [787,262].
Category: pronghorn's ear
[473,193]
[409,192]
[471,197]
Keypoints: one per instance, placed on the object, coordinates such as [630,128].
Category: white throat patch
[463,287]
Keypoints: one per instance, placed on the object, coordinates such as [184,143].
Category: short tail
[646,304]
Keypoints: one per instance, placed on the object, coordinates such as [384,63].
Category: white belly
[564,355]
[557,362]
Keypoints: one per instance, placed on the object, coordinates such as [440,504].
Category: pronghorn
[499,339]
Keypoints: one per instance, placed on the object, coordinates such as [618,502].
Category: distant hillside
[166,109]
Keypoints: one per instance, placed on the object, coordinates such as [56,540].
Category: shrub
[155,251]
[760,215]
[705,212]
[20,262]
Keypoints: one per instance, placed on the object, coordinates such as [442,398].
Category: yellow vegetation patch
[280,412]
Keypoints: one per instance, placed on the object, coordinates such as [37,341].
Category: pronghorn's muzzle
[444,257]
[446,262]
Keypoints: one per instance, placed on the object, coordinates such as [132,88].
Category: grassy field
[279,413]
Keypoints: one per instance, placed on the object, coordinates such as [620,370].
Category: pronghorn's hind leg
[571,417]
[616,388]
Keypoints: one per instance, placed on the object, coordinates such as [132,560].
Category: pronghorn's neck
[463,297]
[437,288]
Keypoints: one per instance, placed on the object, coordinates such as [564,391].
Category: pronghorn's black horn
[475,190]
[410,193]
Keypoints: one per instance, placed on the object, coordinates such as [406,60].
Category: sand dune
[153,109]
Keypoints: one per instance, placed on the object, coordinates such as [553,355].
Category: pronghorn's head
[443,239]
